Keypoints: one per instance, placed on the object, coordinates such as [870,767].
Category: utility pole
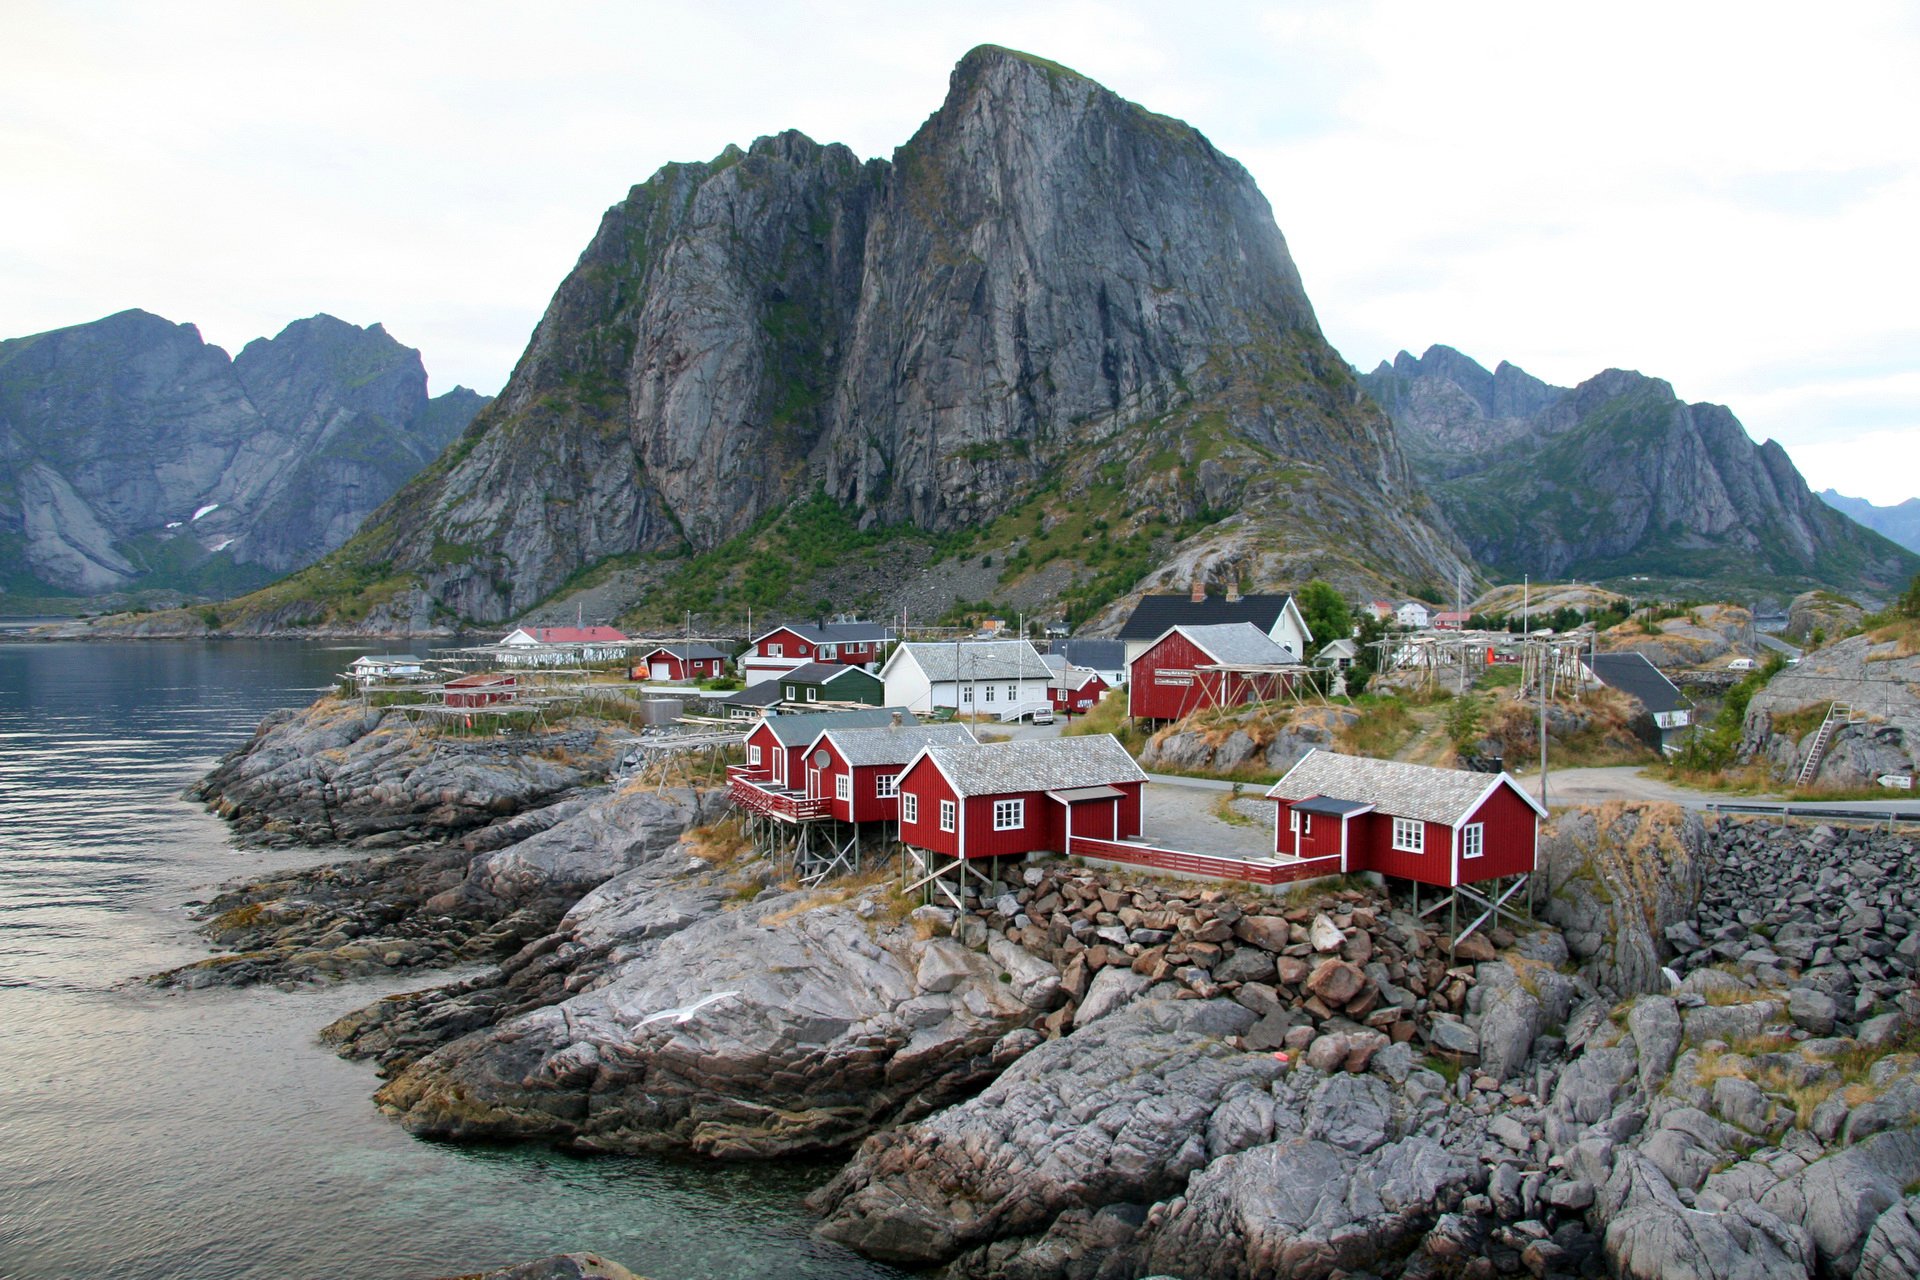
[1543,732]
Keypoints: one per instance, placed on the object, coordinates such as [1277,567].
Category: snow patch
[221,545]
[175,524]
[211,506]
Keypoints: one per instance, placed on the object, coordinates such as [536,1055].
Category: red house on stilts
[857,771]
[1189,667]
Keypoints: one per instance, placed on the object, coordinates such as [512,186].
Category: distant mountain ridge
[135,455]
[1618,477]
[1049,300]
[1900,522]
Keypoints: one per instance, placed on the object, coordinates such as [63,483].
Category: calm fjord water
[208,1135]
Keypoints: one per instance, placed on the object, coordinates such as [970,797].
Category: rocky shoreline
[1703,1060]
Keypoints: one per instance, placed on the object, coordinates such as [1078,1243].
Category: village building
[674,662]
[1339,655]
[1449,620]
[776,746]
[1443,827]
[481,689]
[1015,798]
[1378,610]
[1278,616]
[1191,667]
[1005,679]
[1412,614]
[1076,690]
[559,646]
[776,652]
[857,771]
[377,668]
[750,703]
[1108,657]
[1640,680]
[831,682]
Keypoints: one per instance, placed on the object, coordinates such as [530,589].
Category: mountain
[1619,478]
[1054,326]
[1900,522]
[133,454]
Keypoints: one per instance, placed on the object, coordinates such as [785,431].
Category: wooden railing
[1263,872]
[752,790]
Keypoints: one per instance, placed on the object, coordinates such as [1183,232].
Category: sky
[1721,195]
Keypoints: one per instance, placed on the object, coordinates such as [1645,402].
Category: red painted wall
[1150,695]
[1511,828]
[1079,700]
[1373,833]
[926,782]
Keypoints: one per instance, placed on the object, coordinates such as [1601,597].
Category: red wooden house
[482,689]
[1441,827]
[777,745]
[680,662]
[1076,691]
[857,771]
[1021,797]
[784,648]
[1189,668]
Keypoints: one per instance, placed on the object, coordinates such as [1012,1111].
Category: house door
[660,671]
[813,783]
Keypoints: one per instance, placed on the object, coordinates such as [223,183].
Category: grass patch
[1385,725]
[1223,809]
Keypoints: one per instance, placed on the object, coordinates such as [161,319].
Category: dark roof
[1333,808]
[1154,614]
[1100,655]
[833,632]
[687,652]
[819,672]
[764,694]
[1634,676]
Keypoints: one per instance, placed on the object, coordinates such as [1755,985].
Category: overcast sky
[1724,196]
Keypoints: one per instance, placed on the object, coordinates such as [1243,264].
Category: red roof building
[1015,798]
[482,689]
[1188,668]
[1441,827]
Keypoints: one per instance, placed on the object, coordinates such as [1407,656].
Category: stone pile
[1337,978]
[1825,917]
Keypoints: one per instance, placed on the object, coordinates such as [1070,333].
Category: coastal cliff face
[134,454]
[1617,477]
[1047,286]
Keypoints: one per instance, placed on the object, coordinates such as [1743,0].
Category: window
[909,807]
[773,650]
[826,651]
[1409,835]
[843,787]
[966,694]
[949,815]
[887,785]
[753,755]
[1472,840]
[1013,693]
[1302,822]
[791,695]
[813,695]
[989,693]
[1009,815]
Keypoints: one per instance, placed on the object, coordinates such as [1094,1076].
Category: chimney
[1233,590]
[1199,588]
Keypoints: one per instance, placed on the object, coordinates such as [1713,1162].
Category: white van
[1742,664]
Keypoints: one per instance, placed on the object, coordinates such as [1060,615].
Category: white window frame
[966,694]
[1473,840]
[827,651]
[1409,835]
[949,815]
[773,651]
[909,807]
[1300,823]
[843,786]
[886,785]
[989,693]
[813,694]
[753,755]
[1013,693]
[1009,815]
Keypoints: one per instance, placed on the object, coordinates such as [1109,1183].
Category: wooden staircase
[1838,714]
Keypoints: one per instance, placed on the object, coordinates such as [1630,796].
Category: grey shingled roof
[896,744]
[1633,675]
[980,660]
[687,652]
[799,731]
[834,632]
[1403,790]
[1239,644]
[1037,764]
[764,694]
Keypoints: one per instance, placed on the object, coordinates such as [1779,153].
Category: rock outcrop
[1619,477]
[563,1266]
[1617,878]
[1877,676]
[133,454]
[1046,289]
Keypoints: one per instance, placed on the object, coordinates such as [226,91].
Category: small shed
[482,689]
[373,668]
[776,746]
[688,661]
[1077,691]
